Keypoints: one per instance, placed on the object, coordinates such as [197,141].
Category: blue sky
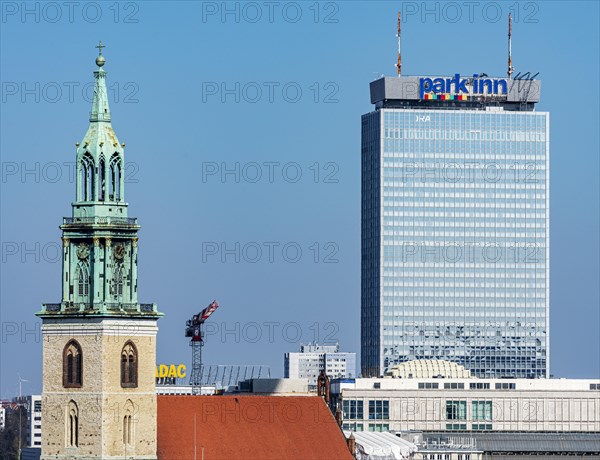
[277,94]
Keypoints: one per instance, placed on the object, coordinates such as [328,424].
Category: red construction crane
[194,329]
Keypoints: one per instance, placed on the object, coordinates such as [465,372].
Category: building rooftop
[248,426]
[538,443]
[456,92]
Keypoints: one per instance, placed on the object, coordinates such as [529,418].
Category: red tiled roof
[248,427]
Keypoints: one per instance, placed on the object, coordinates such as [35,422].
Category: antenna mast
[510,66]
[399,64]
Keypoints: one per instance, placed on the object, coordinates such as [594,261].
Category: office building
[468,405]
[455,225]
[314,358]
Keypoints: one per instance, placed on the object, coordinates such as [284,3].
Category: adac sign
[459,88]
[170,371]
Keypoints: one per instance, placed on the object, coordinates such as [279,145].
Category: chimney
[351,441]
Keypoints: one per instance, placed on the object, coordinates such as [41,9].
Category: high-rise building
[455,225]
[99,343]
[33,406]
[314,358]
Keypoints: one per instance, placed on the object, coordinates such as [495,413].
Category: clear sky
[274,91]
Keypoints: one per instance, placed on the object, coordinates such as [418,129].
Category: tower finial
[100,59]
[399,64]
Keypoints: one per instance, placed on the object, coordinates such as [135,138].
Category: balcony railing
[91,308]
[96,220]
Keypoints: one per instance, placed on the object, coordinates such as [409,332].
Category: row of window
[378,409]
[72,425]
[457,410]
[473,386]
[111,190]
[73,365]
[83,279]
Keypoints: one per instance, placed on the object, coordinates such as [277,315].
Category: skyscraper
[99,343]
[455,225]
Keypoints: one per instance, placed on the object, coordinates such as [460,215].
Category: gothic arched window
[101,179]
[129,363]
[72,425]
[115,178]
[87,177]
[118,281]
[128,423]
[72,365]
[83,279]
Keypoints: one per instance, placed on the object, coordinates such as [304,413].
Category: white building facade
[313,358]
[461,405]
[33,406]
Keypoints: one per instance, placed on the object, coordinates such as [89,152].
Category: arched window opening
[127,430]
[87,177]
[101,180]
[83,279]
[118,281]
[72,425]
[129,364]
[72,365]
[115,178]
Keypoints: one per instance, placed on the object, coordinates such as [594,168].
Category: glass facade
[455,233]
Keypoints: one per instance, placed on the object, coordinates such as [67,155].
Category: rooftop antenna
[510,66]
[399,64]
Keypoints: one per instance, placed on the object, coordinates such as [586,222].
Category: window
[479,386]
[83,279]
[379,427]
[482,426]
[87,177]
[428,385]
[101,180]
[118,281]
[72,365]
[454,386]
[115,178]
[464,456]
[353,409]
[72,425]
[37,406]
[129,366]
[594,386]
[482,410]
[505,386]
[456,426]
[456,410]
[353,426]
[379,410]
[128,432]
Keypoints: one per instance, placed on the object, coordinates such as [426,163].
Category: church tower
[99,343]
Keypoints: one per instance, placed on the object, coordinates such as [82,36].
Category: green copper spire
[100,242]
[100,109]
[100,159]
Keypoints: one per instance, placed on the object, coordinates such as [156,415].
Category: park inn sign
[430,88]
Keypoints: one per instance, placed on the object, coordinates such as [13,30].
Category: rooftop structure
[428,368]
